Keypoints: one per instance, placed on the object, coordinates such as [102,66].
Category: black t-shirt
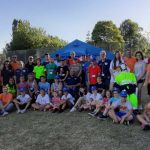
[6,74]
[105,68]
[72,80]
[62,71]
[100,87]
[30,67]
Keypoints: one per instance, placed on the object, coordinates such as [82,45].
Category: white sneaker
[23,111]
[5,113]
[73,109]
[18,111]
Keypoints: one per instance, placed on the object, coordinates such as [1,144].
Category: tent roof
[80,48]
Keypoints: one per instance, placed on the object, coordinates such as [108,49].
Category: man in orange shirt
[6,104]
[147,80]
[93,72]
[15,63]
[129,60]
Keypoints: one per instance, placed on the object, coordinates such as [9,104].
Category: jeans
[8,108]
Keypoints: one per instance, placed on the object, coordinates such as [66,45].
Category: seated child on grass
[144,118]
[84,96]
[42,102]
[56,102]
[121,111]
[115,98]
[22,101]
[100,107]
[68,99]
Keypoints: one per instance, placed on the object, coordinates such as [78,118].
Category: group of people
[107,88]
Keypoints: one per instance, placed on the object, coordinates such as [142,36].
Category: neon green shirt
[125,78]
[39,71]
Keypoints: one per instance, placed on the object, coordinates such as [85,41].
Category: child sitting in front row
[145,117]
[68,99]
[56,102]
[42,102]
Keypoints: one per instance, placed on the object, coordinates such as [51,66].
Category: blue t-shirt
[45,86]
[113,99]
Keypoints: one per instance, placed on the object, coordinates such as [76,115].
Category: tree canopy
[106,35]
[24,36]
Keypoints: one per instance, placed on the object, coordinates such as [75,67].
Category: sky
[70,19]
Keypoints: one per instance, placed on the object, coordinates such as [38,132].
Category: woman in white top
[114,68]
[139,70]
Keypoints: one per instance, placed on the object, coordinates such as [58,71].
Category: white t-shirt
[42,100]
[96,97]
[70,97]
[23,99]
[123,107]
[87,96]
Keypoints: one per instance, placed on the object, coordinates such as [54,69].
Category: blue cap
[22,89]
[57,77]
[123,94]
[93,88]
[116,89]
[65,89]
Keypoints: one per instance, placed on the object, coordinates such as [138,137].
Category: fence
[24,54]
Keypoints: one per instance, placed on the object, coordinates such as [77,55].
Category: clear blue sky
[70,19]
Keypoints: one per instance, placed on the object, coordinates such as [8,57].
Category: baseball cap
[22,90]
[65,89]
[93,88]
[123,94]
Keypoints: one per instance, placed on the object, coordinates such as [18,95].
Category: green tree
[131,33]
[24,36]
[106,35]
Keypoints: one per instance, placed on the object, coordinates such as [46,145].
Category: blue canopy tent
[80,48]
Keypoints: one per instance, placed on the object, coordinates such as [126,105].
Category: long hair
[4,67]
[115,60]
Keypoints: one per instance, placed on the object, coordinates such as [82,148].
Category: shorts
[148,88]
[120,114]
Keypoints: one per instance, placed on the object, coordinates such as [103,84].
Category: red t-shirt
[93,71]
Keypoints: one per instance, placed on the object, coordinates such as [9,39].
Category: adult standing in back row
[104,64]
[129,60]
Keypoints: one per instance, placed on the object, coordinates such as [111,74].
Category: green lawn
[69,131]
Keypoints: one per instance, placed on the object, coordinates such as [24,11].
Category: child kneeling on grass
[144,118]
[121,111]
[22,101]
[56,102]
[68,99]
[42,102]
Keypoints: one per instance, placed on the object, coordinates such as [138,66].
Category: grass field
[69,131]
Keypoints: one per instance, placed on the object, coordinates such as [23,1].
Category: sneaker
[18,111]
[73,109]
[61,110]
[127,123]
[80,109]
[146,127]
[54,110]
[93,114]
[102,117]
[5,113]
[23,111]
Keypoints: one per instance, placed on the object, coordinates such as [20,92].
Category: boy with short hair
[22,101]
[121,111]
